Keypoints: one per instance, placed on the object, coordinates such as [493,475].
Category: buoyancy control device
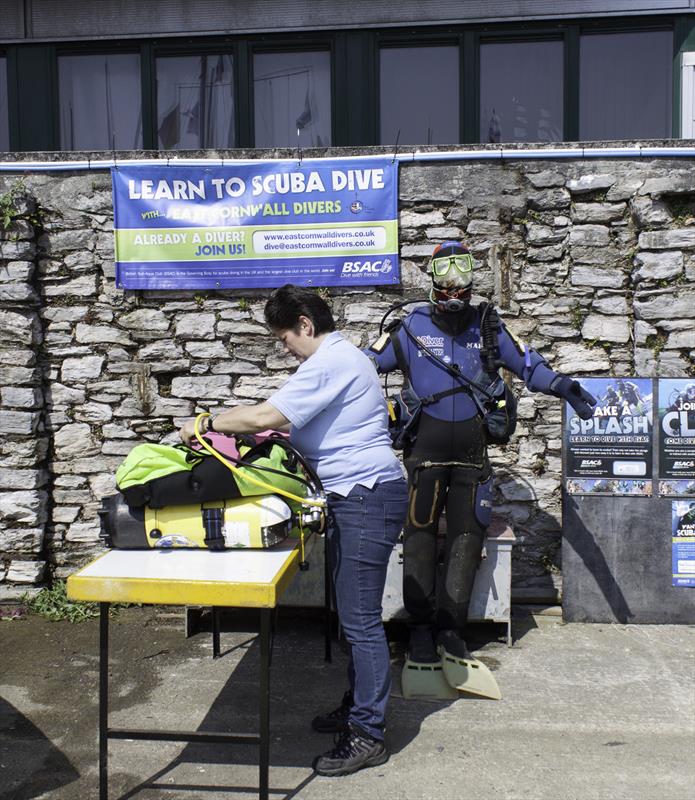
[159,475]
[173,496]
[492,396]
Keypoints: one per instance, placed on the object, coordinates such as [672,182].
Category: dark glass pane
[292,99]
[625,85]
[4,115]
[195,102]
[100,106]
[521,89]
[419,95]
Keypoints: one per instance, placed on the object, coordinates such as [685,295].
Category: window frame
[644,25]
[687,130]
[172,49]
[528,37]
[4,55]
[94,49]
[414,38]
[309,43]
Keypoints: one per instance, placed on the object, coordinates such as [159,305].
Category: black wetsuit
[448,465]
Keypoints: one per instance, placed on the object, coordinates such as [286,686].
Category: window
[521,92]
[625,85]
[4,111]
[510,81]
[100,106]
[195,102]
[688,95]
[292,99]
[419,95]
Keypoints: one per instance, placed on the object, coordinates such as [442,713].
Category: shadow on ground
[303,684]
[30,765]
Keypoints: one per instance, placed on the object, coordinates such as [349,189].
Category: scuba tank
[247,522]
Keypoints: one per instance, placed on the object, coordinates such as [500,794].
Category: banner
[683,543]
[313,223]
[677,436]
[611,453]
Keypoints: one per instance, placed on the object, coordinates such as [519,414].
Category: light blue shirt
[339,418]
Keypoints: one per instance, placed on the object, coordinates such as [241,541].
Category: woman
[335,411]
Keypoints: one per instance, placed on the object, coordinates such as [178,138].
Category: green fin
[420,681]
[468,675]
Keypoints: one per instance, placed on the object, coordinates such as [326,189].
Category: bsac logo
[683,464]
[383,266]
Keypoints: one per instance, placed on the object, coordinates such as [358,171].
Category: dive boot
[423,676]
[463,672]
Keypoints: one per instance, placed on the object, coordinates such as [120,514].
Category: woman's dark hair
[288,303]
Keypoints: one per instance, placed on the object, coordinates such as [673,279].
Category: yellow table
[236,578]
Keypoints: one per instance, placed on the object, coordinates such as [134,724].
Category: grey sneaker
[354,750]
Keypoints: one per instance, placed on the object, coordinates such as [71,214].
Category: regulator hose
[312,502]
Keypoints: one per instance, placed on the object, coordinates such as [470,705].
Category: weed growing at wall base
[53,604]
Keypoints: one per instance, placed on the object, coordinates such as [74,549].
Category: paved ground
[590,712]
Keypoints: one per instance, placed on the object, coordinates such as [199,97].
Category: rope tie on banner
[395,147]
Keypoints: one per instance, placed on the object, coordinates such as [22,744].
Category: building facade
[284,73]
[590,260]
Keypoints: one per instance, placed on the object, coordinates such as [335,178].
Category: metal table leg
[103,699]
[262,739]
[327,601]
[215,632]
[264,746]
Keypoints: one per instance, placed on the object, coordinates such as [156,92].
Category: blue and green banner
[328,222]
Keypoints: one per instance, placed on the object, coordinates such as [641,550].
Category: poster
[611,453]
[677,436]
[319,222]
[683,542]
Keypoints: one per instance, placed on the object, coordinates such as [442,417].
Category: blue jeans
[362,531]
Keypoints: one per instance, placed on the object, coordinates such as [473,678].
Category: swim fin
[425,681]
[468,675]
[423,677]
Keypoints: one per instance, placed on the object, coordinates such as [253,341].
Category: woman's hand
[187,432]
[241,419]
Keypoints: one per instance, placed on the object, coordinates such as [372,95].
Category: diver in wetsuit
[438,346]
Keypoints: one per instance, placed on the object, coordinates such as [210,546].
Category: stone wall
[591,261]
